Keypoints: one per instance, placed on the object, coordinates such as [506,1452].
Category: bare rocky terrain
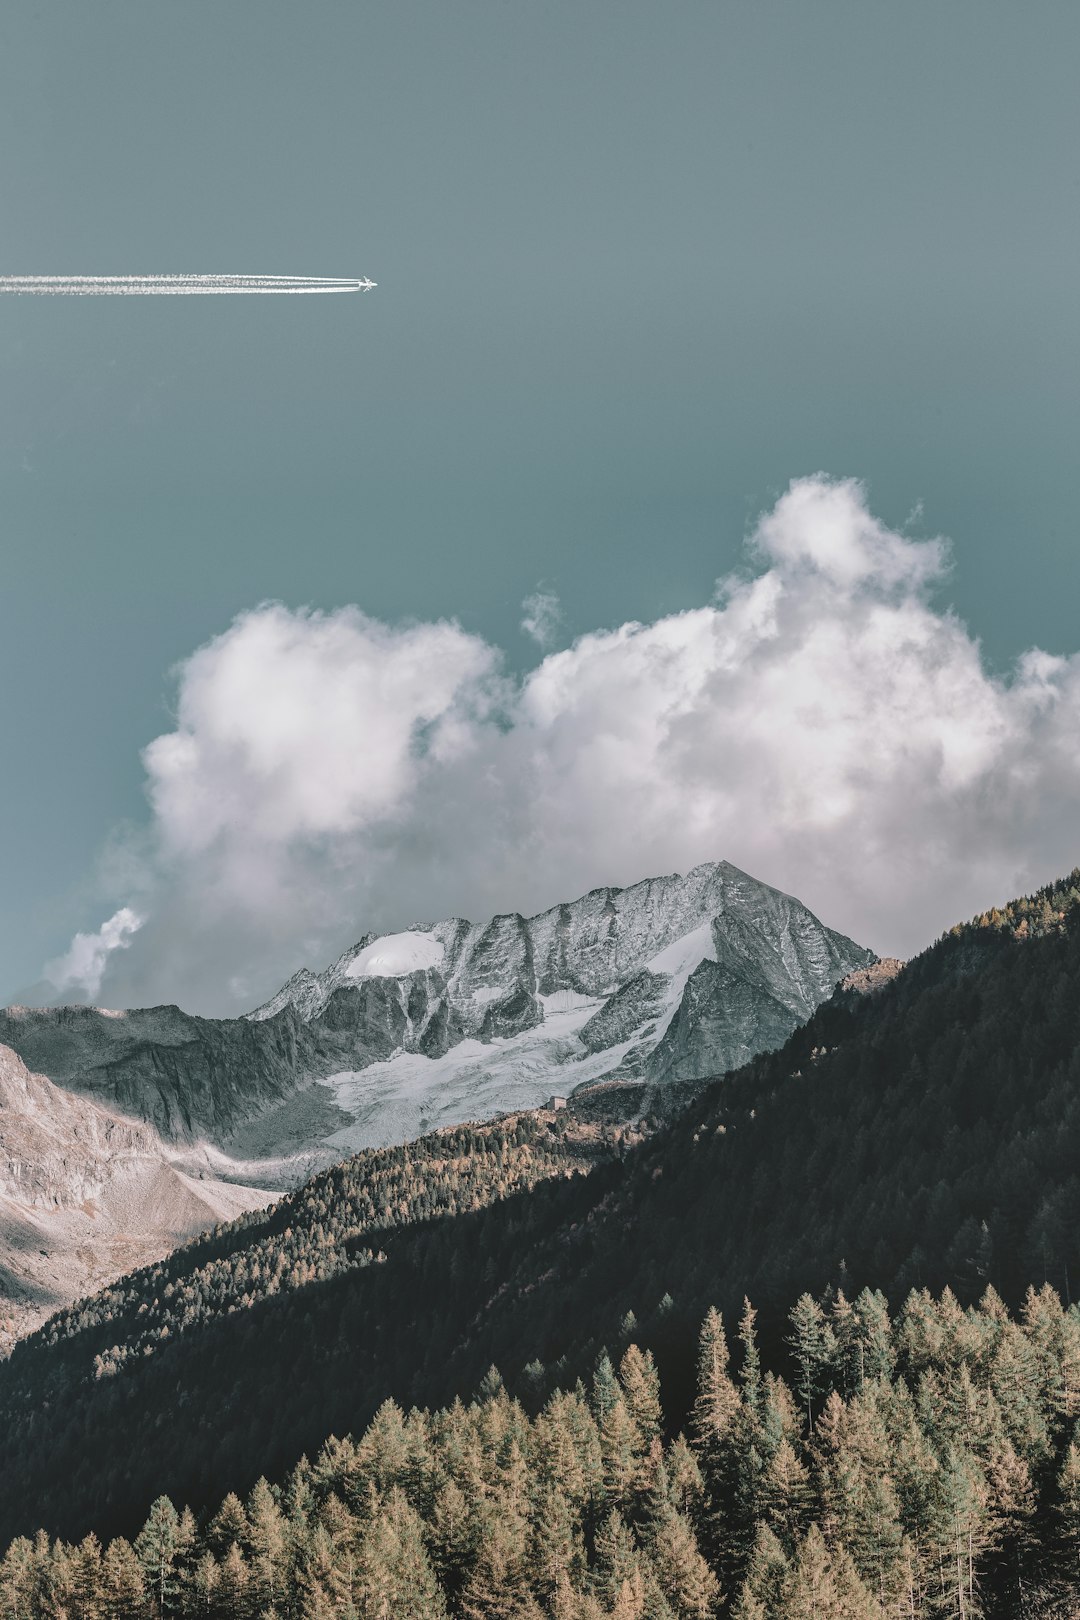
[86,1195]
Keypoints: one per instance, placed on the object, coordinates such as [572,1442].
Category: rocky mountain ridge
[673,979]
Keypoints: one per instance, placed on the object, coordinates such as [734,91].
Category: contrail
[142,286]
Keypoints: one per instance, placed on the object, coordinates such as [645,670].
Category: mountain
[674,979]
[671,980]
[86,1195]
[189,1077]
[921,1135]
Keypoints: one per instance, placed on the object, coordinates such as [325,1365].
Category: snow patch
[566,1001]
[678,960]
[681,957]
[406,1095]
[395,955]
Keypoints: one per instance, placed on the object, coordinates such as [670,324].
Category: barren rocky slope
[85,1195]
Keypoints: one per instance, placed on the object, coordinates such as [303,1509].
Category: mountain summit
[673,979]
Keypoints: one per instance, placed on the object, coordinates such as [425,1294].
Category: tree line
[922,1467]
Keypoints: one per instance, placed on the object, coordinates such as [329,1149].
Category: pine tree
[717,1400]
[395,1579]
[228,1525]
[750,1372]
[761,1592]
[812,1344]
[1068,1513]
[265,1545]
[88,1585]
[122,1582]
[877,1356]
[497,1585]
[156,1547]
[616,1563]
[822,1585]
[451,1535]
[17,1579]
[557,1556]
[687,1583]
[204,1585]
[233,1582]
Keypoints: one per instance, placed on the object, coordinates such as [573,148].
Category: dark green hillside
[923,1135]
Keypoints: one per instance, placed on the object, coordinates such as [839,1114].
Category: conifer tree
[228,1525]
[717,1400]
[762,1589]
[616,1563]
[17,1579]
[684,1578]
[1068,1513]
[497,1585]
[812,1344]
[394,1577]
[557,1554]
[122,1582]
[204,1585]
[233,1582]
[156,1547]
[750,1371]
[265,1545]
[86,1579]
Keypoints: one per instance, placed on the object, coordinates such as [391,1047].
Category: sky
[318,615]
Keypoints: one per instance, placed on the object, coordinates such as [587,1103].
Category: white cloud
[820,722]
[541,617]
[83,964]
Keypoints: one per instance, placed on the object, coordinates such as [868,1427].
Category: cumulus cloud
[822,722]
[81,969]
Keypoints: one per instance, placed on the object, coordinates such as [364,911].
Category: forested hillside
[924,1467]
[328,1227]
[925,1135]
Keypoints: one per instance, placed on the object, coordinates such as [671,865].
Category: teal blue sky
[639,266]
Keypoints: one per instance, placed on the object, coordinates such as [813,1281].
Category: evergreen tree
[813,1346]
[762,1590]
[122,1581]
[750,1372]
[157,1548]
[616,1564]
[265,1545]
[395,1579]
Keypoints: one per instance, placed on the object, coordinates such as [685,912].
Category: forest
[922,1466]
[924,1137]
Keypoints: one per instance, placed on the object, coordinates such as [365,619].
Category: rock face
[674,979]
[87,1194]
[188,1077]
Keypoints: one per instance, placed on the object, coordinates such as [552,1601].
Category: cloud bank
[820,722]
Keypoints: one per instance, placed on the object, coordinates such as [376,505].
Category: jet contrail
[129,286]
